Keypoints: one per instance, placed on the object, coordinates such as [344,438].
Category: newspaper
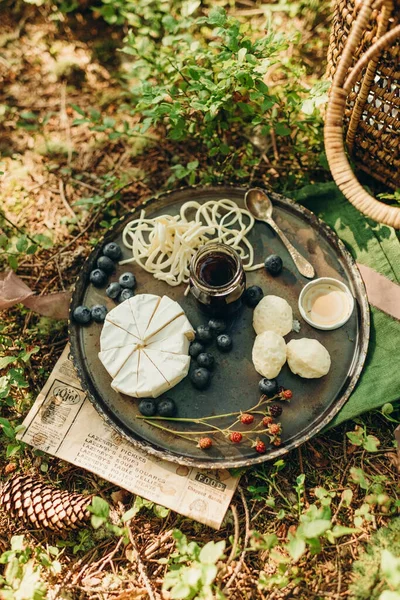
[64,423]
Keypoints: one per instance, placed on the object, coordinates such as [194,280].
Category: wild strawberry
[286,394]
[275,428]
[267,421]
[236,437]
[205,443]
[277,441]
[246,418]
[261,448]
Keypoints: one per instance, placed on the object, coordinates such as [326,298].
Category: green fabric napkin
[378,247]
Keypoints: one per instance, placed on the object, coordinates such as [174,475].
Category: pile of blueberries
[201,375]
[163,407]
[119,290]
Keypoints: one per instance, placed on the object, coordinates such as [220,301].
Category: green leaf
[296,547]
[17,543]
[315,528]
[347,497]
[387,409]
[79,110]
[282,129]
[340,530]
[26,354]
[217,16]
[212,552]
[99,507]
[22,244]
[371,443]
[97,521]
[16,376]
[161,511]
[8,429]
[7,360]
[180,591]
[359,477]
[356,437]
[241,55]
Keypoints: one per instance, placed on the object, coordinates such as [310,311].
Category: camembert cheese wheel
[144,345]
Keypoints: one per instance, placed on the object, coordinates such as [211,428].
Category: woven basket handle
[334,143]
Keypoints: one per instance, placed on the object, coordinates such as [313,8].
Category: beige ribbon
[382,293]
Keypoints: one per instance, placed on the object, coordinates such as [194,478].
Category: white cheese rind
[166,312]
[143,307]
[126,379]
[179,326]
[122,317]
[114,359]
[151,382]
[112,336]
[173,367]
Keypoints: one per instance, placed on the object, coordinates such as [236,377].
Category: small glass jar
[217,279]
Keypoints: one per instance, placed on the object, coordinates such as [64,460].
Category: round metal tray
[234,383]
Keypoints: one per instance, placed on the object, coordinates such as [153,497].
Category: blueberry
[224,342]
[98,278]
[217,325]
[113,290]
[204,334]
[252,296]
[82,315]
[148,407]
[125,295]
[273,264]
[127,280]
[195,349]
[98,313]
[166,408]
[106,264]
[200,378]
[269,387]
[206,360]
[113,251]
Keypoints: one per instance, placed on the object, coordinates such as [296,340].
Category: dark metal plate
[235,382]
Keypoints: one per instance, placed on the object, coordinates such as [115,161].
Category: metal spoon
[260,206]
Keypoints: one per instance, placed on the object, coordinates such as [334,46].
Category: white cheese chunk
[115,358]
[126,379]
[167,311]
[154,359]
[112,336]
[173,367]
[143,307]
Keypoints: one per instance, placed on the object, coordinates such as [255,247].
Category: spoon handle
[304,267]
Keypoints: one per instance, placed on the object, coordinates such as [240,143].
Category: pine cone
[42,505]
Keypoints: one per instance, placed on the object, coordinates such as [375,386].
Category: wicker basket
[364,63]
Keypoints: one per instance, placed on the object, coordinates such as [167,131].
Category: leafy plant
[192,570]
[16,244]
[22,574]
[377,571]
[211,81]
[359,437]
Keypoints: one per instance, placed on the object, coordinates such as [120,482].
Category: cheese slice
[167,311]
[173,367]
[122,317]
[113,336]
[179,326]
[126,379]
[143,307]
[115,358]
[151,382]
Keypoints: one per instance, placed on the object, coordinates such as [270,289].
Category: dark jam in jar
[216,269]
[217,279]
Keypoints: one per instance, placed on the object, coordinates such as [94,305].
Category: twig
[87,185]
[19,229]
[64,199]
[246,540]
[64,119]
[236,538]
[150,550]
[140,564]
